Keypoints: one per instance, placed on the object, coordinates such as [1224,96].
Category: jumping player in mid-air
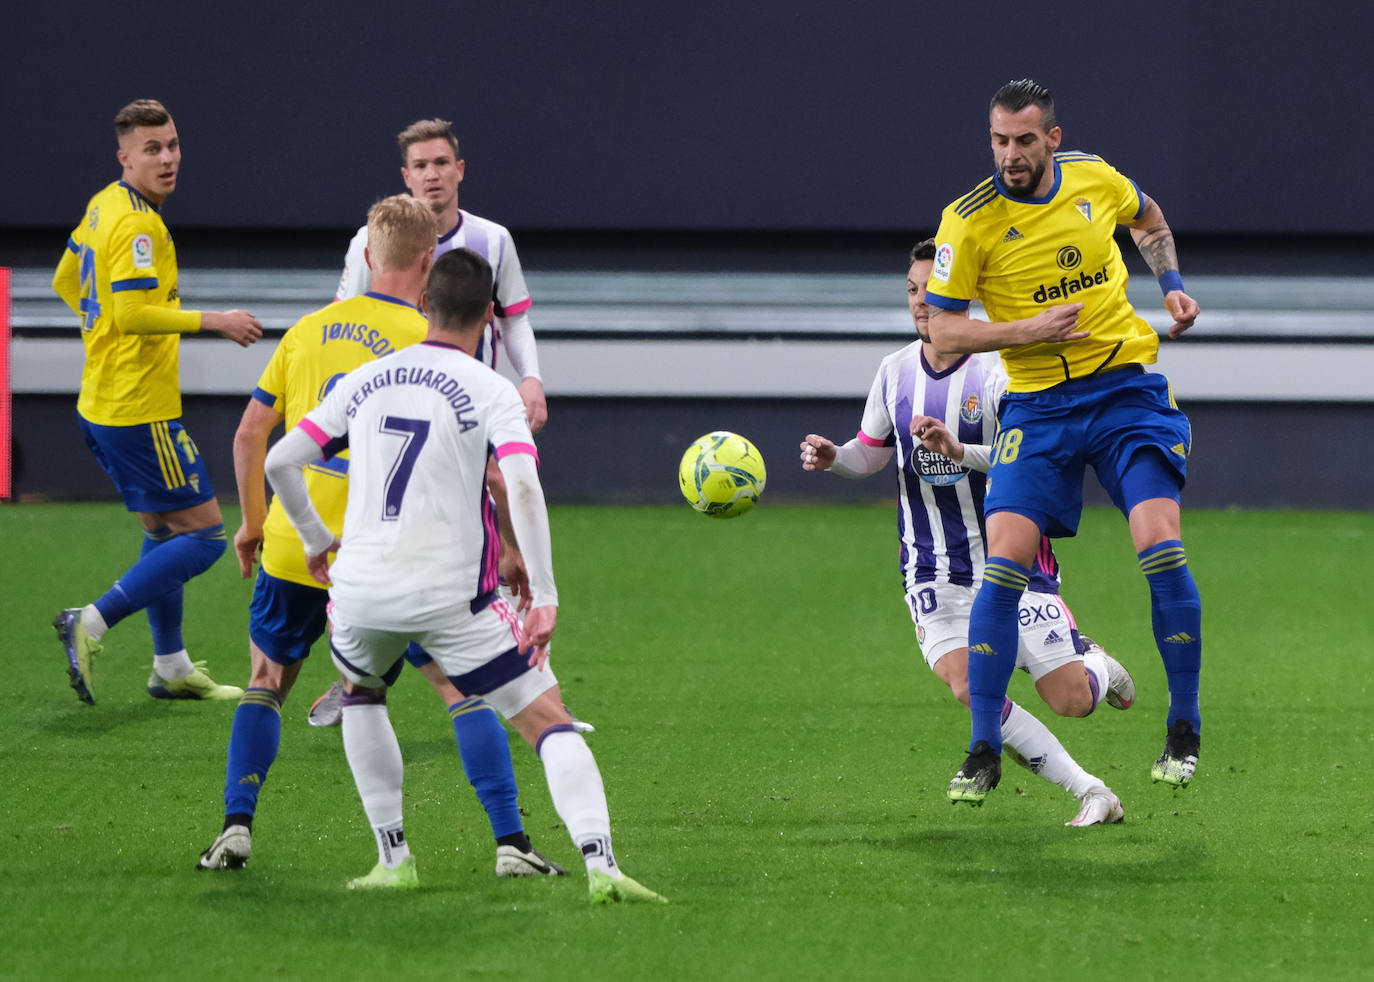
[938,412]
[1034,243]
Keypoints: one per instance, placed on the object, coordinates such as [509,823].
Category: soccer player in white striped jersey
[939,415]
[432,169]
[417,563]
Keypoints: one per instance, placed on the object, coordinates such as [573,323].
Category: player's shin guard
[485,752]
[164,613]
[575,786]
[253,743]
[160,570]
[993,636]
[1176,614]
[374,756]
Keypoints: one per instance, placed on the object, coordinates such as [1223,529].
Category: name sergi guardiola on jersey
[449,388]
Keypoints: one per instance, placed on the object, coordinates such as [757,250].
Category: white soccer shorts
[941,614]
[466,644]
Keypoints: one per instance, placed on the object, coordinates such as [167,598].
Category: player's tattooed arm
[1154,239]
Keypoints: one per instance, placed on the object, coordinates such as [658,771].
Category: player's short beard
[1028,191]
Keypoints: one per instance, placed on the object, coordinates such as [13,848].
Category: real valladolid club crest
[972,410]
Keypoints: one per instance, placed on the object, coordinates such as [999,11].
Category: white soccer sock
[374,756]
[1044,754]
[579,797]
[175,666]
[1097,667]
[93,623]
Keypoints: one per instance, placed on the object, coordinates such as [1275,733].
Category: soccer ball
[721,474]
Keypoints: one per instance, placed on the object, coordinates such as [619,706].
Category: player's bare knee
[1071,702]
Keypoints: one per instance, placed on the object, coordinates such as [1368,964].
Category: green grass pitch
[775,754]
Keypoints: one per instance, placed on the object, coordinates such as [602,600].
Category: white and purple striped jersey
[494,243]
[940,519]
[420,534]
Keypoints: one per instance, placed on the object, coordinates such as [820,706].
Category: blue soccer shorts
[155,466]
[286,618]
[1123,423]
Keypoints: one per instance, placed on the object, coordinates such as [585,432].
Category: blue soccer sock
[485,751]
[1176,616]
[161,569]
[994,634]
[253,744]
[164,613]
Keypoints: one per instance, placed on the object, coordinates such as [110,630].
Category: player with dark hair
[1034,244]
[119,276]
[288,611]
[432,169]
[937,412]
[417,564]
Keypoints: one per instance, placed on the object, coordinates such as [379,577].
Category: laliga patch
[944,262]
[143,252]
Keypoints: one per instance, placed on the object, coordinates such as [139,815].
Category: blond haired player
[288,611]
[417,564]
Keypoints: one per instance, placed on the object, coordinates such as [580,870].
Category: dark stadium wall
[773,116]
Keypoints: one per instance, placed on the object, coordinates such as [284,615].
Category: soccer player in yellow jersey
[119,276]
[1034,244]
[288,611]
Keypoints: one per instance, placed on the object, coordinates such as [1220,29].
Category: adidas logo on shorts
[1052,638]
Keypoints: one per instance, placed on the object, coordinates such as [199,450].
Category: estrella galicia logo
[1069,257]
[934,468]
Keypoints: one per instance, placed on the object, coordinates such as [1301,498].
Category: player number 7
[414,432]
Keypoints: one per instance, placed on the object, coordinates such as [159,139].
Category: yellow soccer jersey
[1019,256]
[315,353]
[121,245]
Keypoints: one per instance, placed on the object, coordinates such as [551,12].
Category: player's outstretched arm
[817,453]
[250,449]
[238,326]
[854,459]
[1155,241]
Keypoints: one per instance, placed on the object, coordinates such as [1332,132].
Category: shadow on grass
[1023,854]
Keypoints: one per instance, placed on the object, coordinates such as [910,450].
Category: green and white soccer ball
[722,474]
